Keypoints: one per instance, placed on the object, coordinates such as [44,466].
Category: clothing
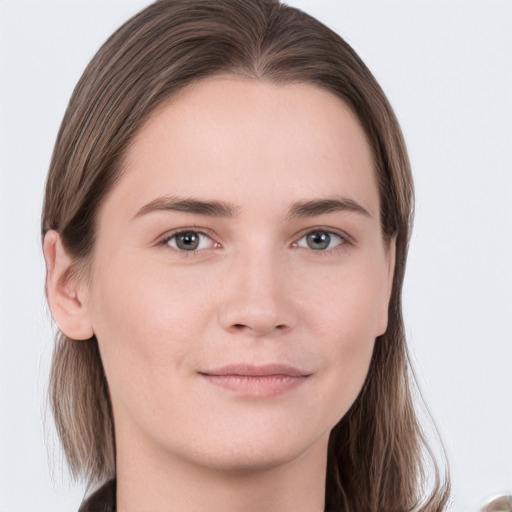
[103,500]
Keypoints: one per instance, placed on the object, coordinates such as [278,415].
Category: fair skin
[259,280]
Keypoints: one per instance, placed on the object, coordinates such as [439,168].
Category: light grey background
[446,67]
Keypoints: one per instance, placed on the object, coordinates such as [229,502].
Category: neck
[164,483]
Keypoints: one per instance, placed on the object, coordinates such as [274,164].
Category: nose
[257,298]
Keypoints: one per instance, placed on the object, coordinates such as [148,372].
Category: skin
[252,292]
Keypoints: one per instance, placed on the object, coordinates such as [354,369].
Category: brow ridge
[300,209]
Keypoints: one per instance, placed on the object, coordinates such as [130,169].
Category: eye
[320,240]
[189,240]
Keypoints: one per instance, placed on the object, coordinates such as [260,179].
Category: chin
[254,451]
[244,461]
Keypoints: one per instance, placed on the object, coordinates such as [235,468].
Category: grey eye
[189,241]
[320,240]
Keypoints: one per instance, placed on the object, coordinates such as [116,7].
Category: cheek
[344,320]
[347,304]
[146,323]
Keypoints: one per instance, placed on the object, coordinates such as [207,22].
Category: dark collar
[103,500]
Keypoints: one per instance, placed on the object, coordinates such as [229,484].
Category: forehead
[243,139]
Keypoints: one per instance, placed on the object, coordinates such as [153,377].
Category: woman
[225,228]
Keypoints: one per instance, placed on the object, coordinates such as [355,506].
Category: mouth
[256,381]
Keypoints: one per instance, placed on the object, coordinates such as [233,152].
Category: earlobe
[64,290]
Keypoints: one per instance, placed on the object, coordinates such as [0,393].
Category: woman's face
[240,277]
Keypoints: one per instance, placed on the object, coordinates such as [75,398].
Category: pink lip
[262,381]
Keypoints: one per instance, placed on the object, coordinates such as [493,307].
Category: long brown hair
[376,457]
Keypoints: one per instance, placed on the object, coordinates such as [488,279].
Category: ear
[64,290]
[384,310]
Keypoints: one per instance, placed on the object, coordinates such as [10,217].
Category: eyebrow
[189,205]
[301,209]
[318,207]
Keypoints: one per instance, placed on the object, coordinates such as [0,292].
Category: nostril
[242,327]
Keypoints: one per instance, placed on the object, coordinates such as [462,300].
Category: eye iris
[318,240]
[188,241]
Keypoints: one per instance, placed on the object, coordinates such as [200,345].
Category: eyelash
[344,240]
[201,232]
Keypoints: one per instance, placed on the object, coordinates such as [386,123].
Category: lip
[256,381]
